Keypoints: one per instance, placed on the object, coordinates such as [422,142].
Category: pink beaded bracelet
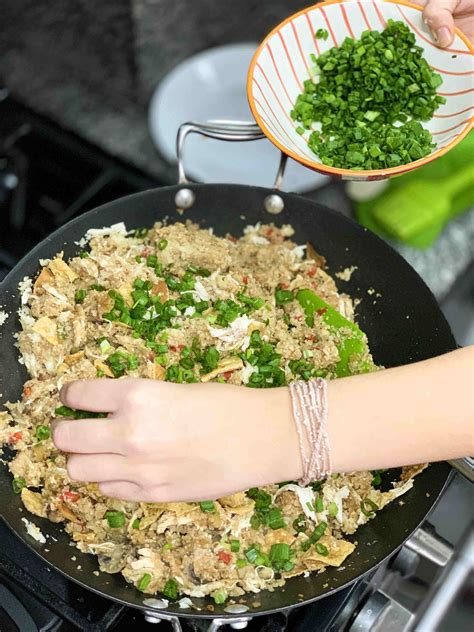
[310,411]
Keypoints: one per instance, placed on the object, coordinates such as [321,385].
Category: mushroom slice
[46,328]
[45,276]
[100,366]
[156,371]
[61,270]
[33,502]
[126,290]
[315,256]
[225,366]
[67,513]
[161,289]
[72,358]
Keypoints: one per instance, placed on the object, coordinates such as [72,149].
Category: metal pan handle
[465,467]
[237,623]
[234,131]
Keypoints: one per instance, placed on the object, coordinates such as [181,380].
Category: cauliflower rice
[178,303]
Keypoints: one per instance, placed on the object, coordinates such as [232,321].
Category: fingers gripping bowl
[343,244]
[369,81]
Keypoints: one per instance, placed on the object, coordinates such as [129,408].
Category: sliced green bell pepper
[350,346]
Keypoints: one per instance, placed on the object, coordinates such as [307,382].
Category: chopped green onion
[210,359]
[203,272]
[171,589]
[319,505]
[235,546]
[240,563]
[288,566]
[162,244]
[252,554]
[120,362]
[333,509]
[83,254]
[80,295]
[279,555]
[207,506]
[368,507]
[377,480]
[321,34]
[144,582]
[318,532]
[136,523]
[275,519]
[105,346]
[219,597]
[115,519]
[255,521]
[100,373]
[73,413]
[167,546]
[370,97]
[299,523]
[151,261]
[18,483]
[321,549]
[283,296]
[140,232]
[42,433]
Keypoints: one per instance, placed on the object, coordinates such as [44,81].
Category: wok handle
[234,131]
[238,623]
[465,467]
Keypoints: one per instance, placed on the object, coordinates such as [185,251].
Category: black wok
[403,323]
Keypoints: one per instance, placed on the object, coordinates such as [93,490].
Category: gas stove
[47,177]
[426,586]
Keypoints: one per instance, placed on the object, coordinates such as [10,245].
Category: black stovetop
[36,598]
[48,176]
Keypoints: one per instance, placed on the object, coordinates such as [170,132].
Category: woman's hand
[167,442]
[443,15]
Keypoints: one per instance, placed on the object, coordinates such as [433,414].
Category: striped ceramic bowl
[282,63]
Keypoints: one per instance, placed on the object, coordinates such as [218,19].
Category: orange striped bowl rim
[282,62]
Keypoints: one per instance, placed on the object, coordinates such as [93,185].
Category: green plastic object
[422,232]
[351,346]
[420,207]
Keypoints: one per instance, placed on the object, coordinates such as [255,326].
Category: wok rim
[192,614]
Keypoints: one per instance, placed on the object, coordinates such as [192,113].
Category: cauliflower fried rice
[177,303]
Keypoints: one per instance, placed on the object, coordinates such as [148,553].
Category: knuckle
[133,397]
[135,442]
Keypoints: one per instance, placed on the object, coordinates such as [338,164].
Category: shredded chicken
[74,323]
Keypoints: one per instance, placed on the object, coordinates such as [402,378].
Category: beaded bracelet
[310,412]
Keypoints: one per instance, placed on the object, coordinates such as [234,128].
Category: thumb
[438,15]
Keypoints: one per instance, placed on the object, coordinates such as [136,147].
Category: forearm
[412,414]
